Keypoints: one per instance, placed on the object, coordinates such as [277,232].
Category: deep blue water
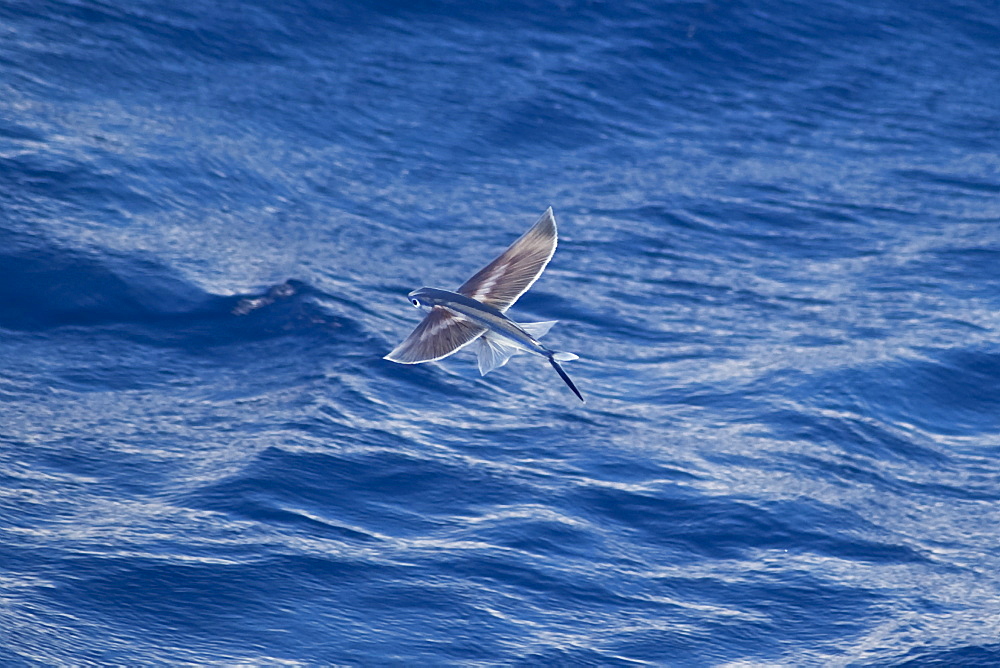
[779,261]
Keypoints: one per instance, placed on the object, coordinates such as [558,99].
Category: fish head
[422,299]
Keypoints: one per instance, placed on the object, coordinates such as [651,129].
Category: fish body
[475,312]
[497,324]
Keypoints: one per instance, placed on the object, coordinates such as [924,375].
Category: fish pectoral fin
[440,334]
[494,353]
[506,278]
[537,330]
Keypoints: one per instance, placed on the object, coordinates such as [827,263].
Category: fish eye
[415,302]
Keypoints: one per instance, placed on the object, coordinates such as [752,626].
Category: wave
[44,286]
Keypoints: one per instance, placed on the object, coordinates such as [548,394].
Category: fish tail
[565,377]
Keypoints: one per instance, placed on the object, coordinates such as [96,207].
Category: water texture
[779,262]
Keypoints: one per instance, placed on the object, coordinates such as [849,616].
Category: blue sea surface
[779,261]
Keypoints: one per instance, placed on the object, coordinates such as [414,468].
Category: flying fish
[476,311]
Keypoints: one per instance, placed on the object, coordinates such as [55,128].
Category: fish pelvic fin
[494,353]
[537,330]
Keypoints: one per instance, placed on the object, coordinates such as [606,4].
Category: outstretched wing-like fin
[502,281]
[438,335]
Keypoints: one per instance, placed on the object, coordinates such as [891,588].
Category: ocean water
[779,262]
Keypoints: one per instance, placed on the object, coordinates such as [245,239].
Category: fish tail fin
[563,375]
